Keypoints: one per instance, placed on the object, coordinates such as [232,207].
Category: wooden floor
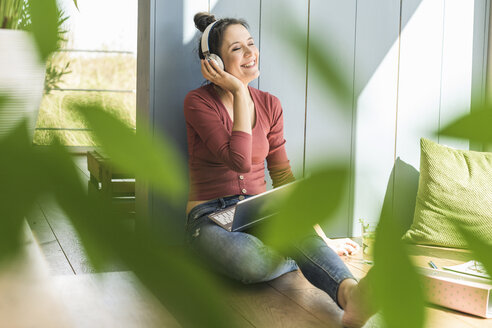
[115,298]
[58,239]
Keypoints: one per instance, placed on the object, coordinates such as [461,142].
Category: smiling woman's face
[239,53]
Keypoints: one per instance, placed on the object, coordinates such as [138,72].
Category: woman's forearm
[242,114]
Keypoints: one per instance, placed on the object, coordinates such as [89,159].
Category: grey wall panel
[480,47]
[375,83]
[457,64]
[248,10]
[283,71]
[328,120]
[176,71]
[480,44]
[144,77]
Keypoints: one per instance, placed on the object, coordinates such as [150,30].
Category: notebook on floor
[251,211]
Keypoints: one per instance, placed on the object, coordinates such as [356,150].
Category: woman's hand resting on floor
[343,246]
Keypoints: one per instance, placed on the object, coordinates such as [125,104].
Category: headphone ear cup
[217,60]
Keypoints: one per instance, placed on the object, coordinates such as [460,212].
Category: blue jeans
[242,256]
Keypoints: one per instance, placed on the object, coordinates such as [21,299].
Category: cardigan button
[241,177]
[243,191]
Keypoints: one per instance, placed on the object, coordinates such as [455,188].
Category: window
[101,55]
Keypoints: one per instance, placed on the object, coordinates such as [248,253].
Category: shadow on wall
[401,196]
[379,13]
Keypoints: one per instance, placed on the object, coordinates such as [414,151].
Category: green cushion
[455,187]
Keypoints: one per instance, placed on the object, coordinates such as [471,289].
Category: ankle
[345,291]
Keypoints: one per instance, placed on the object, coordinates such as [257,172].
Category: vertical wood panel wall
[328,121]
[413,66]
[376,87]
[283,73]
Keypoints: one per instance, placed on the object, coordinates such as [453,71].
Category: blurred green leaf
[481,248]
[44,26]
[170,273]
[396,284]
[475,126]
[3,101]
[64,182]
[191,294]
[20,186]
[311,200]
[151,159]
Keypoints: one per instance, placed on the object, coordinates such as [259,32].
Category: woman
[232,128]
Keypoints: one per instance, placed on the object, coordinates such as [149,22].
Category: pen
[432,265]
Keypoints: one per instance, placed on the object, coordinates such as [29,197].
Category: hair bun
[202,20]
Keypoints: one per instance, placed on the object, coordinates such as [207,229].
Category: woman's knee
[239,256]
[309,243]
[257,265]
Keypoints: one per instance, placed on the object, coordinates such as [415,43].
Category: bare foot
[358,308]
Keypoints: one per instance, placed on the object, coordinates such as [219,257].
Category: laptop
[252,210]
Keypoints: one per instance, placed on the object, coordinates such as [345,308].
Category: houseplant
[23,74]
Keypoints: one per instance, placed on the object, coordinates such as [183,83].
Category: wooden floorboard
[56,258]
[27,297]
[67,237]
[115,299]
[40,228]
[356,266]
[264,307]
[58,239]
[48,243]
[291,281]
[315,301]
[56,236]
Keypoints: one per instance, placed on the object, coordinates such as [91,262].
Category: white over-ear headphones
[205,48]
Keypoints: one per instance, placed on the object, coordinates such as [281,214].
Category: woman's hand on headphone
[212,72]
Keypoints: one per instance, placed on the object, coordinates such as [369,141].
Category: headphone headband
[205,48]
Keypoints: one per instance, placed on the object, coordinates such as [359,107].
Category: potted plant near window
[22,71]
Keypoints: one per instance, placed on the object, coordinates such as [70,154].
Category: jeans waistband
[213,205]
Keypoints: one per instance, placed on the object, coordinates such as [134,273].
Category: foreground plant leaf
[397,287]
[482,249]
[475,126]
[20,186]
[44,16]
[311,201]
[3,101]
[170,273]
[151,159]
